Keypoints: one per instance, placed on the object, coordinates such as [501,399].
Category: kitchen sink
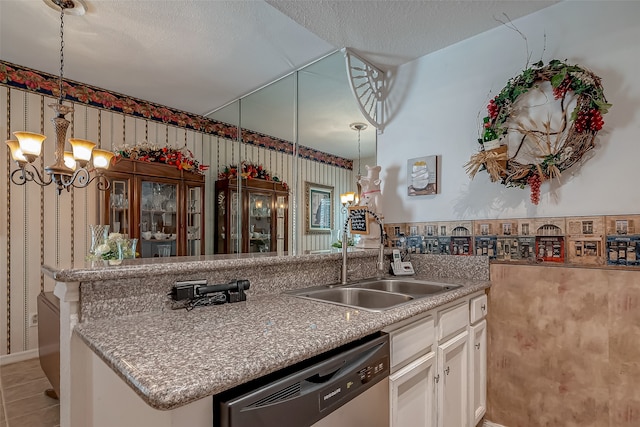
[401,286]
[367,299]
[374,294]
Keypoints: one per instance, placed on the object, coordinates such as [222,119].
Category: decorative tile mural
[595,240]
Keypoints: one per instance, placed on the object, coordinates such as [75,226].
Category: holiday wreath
[556,147]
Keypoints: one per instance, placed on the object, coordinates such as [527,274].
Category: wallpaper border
[18,76]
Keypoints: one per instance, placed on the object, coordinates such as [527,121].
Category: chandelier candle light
[71,169]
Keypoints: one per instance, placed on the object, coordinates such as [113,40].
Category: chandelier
[70,169]
[352,198]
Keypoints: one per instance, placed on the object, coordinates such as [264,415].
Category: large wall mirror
[313,109]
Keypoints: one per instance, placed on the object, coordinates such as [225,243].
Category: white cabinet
[478,374]
[453,379]
[412,393]
[478,359]
[438,367]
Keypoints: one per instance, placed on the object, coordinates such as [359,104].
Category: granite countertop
[173,358]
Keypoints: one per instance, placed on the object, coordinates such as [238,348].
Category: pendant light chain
[359,153]
[61,51]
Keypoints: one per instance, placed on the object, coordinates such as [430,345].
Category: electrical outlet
[33,319]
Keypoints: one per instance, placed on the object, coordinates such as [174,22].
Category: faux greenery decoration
[249,171]
[146,151]
[557,149]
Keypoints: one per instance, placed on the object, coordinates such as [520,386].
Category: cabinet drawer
[452,320]
[412,341]
[478,308]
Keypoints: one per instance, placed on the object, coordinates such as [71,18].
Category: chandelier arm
[23,175]
[80,179]
[102,183]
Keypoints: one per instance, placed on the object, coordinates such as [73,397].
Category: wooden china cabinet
[263,206]
[160,205]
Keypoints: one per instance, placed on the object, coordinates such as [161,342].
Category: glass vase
[127,248]
[99,235]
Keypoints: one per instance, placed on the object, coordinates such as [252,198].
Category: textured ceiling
[392,32]
[198,55]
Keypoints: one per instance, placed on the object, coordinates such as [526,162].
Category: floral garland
[145,151]
[560,149]
[249,171]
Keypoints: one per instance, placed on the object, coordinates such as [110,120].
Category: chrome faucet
[380,263]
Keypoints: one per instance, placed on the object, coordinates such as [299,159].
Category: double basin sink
[374,294]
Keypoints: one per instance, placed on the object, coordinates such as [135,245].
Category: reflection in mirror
[224,233]
[326,111]
[267,119]
[314,107]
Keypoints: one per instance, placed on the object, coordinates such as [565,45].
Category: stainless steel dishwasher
[343,388]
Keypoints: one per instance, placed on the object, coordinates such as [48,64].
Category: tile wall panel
[563,346]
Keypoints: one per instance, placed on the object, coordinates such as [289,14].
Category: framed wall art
[319,207]
[422,176]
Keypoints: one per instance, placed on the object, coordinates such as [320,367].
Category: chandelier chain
[61,52]
[359,153]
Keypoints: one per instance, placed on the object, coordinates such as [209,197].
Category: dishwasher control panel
[369,372]
[354,383]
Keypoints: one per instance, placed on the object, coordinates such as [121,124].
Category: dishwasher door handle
[326,374]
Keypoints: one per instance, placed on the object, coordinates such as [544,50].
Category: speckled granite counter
[174,357]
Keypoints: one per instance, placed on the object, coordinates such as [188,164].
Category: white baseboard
[7,359]
[490,424]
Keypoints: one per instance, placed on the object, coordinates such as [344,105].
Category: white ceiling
[197,55]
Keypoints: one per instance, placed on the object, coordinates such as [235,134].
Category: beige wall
[564,347]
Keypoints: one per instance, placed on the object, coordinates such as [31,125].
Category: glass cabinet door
[119,206]
[158,219]
[235,228]
[194,220]
[260,222]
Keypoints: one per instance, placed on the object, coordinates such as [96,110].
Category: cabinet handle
[437,378]
[483,307]
[446,371]
[478,346]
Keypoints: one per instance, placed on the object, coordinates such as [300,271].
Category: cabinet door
[195,220]
[452,386]
[478,374]
[261,232]
[158,219]
[411,394]
[281,223]
[118,203]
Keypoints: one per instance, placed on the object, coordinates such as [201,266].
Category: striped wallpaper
[43,228]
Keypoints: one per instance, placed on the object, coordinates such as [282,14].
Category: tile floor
[22,399]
